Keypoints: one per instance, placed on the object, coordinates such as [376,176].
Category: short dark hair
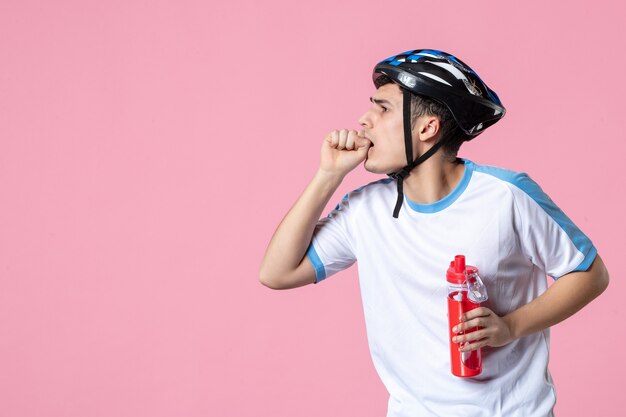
[422,105]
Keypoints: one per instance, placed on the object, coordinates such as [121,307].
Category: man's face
[382,125]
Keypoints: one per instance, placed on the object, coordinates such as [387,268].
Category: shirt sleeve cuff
[320,271]
[586,263]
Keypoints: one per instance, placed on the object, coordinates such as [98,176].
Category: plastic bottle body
[465,293]
[463,364]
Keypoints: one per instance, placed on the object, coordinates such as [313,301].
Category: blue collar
[450,198]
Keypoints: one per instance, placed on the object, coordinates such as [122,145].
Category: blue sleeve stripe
[586,263]
[534,191]
[320,272]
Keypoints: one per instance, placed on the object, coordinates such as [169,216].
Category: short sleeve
[331,250]
[547,236]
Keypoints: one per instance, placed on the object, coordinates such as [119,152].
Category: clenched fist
[343,150]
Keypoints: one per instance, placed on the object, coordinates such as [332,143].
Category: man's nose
[365,121]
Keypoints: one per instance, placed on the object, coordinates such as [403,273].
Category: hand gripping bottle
[465,292]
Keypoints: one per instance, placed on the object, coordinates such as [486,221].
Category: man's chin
[370,166]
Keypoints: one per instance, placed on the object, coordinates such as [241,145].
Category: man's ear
[428,127]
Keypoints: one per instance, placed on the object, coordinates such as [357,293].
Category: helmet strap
[400,175]
[406,116]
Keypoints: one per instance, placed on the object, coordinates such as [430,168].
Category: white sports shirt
[507,227]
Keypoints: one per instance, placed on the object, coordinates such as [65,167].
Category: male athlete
[404,231]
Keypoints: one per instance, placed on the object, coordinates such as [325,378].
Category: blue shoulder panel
[522,181]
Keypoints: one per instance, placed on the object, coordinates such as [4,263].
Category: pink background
[148,150]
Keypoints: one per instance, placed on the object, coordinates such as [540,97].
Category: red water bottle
[465,292]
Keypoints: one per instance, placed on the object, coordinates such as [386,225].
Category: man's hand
[343,150]
[493,330]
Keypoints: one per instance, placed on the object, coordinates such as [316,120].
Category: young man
[405,230]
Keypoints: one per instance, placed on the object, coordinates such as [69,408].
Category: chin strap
[400,175]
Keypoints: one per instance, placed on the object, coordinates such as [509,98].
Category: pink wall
[149,149]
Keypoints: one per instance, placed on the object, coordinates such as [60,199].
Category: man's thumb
[362,143]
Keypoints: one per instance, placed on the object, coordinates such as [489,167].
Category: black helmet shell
[448,80]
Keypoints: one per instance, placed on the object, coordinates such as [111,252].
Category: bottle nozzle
[459,264]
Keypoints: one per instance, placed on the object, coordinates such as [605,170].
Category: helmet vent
[472,88]
[436,78]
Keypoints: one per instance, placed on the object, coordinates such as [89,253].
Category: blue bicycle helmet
[447,80]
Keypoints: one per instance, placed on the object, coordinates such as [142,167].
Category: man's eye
[384,108]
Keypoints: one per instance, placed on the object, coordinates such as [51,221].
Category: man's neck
[433,179]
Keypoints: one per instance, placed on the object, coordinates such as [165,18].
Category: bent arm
[285,264]
[565,297]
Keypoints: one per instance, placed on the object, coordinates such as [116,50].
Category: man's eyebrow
[380,101]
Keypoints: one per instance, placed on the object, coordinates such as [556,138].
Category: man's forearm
[293,235]
[565,297]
